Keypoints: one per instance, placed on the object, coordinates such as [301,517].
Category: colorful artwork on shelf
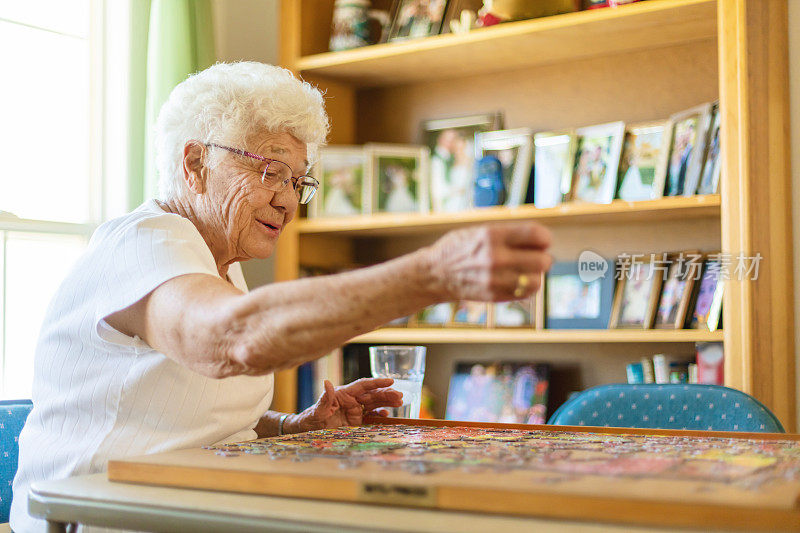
[499,392]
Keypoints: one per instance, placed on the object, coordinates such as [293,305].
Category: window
[52,142]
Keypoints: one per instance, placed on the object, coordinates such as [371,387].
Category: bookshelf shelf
[387,224]
[516,336]
[560,38]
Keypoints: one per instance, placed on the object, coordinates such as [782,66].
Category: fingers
[526,235]
[377,412]
[522,261]
[327,403]
[360,386]
[381,398]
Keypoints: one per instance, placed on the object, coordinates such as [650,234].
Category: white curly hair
[226,104]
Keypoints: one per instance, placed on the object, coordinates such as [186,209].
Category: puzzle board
[633,476]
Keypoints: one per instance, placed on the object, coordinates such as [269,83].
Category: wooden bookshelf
[634,63]
[517,45]
[387,224]
[513,336]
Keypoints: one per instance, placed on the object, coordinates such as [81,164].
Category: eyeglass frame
[314,182]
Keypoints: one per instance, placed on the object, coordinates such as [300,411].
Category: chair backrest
[667,406]
[13,414]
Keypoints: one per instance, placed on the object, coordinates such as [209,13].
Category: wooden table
[93,500]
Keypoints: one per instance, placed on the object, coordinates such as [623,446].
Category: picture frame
[525,313]
[707,302]
[498,391]
[712,166]
[594,177]
[643,165]
[572,303]
[398,175]
[687,147]
[344,188]
[636,296]
[413,19]
[514,150]
[471,315]
[433,316]
[677,289]
[451,142]
[553,161]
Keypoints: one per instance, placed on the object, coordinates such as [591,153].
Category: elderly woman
[153,341]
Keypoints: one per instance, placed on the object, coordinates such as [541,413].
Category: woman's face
[244,212]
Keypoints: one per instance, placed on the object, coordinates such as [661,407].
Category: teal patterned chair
[13,414]
[667,406]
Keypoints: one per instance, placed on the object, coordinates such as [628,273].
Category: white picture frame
[398,176]
[516,143]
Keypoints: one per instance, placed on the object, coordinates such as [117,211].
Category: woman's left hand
[349,404]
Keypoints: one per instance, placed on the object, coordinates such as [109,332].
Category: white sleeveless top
[99,394]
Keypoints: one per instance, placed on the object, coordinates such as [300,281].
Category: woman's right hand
[493,262]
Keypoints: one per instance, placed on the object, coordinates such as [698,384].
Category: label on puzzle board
[394,494]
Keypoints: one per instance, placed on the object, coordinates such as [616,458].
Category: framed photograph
[399,178]
[437,315]
[471,314]
[676,293]
[499,391]
[597,162]
[707,305]
[412,19]
[514,150]
[342,187]
[638,291]
[709,179]
[643,166]
[687,147]
[553,160]
[572,303]
[452,164]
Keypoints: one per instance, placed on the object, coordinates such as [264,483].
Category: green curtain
[170,40]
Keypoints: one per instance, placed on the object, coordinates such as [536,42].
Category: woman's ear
[194,170]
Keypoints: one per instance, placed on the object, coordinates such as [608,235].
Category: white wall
[794,89]
[248,30]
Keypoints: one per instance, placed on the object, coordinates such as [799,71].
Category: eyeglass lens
[278,175]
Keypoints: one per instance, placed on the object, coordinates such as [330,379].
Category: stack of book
[706,368]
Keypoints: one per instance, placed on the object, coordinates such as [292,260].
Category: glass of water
[406,366]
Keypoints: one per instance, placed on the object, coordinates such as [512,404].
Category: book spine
[647,370]
[635,373]
[660,368]
[305,386]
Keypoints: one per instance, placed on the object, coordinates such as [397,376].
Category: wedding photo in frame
[398,175]
[554,155]
[514,150]
[678,287]
[643,165]
[343,185]
[637,294]
[687,147]
[451,142]
[597,162]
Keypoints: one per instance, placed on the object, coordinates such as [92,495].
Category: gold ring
[522,286]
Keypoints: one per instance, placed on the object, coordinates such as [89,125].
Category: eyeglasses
[277,175]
